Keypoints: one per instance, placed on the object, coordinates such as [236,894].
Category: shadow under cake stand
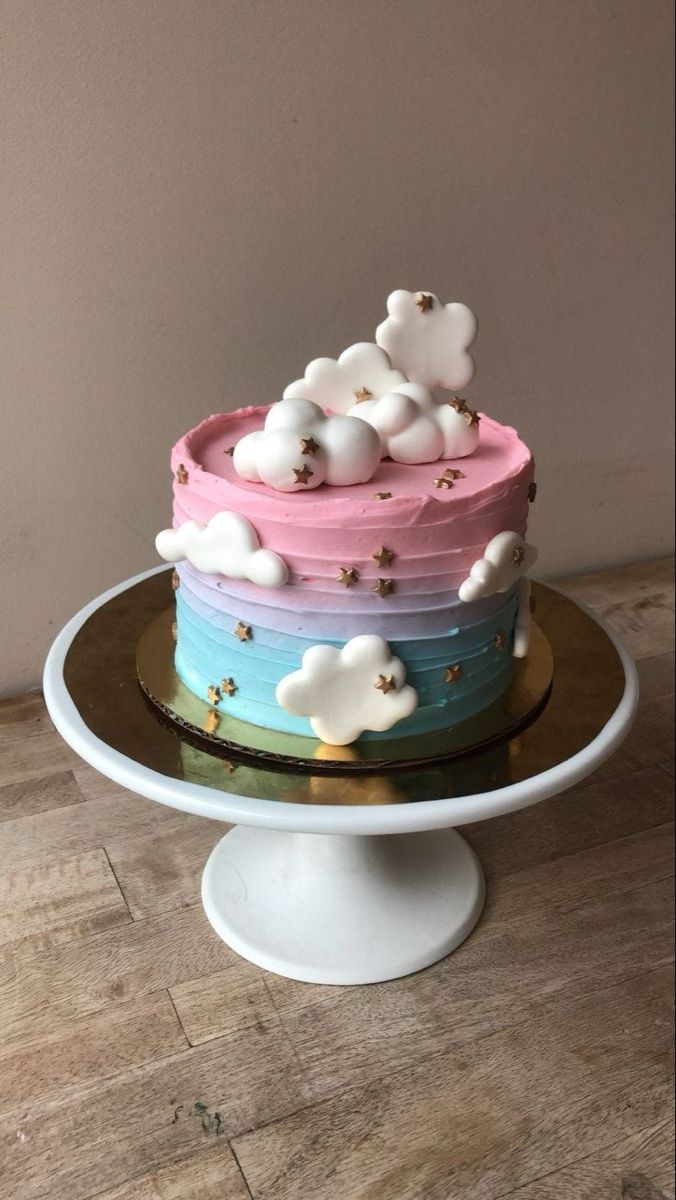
[336,875]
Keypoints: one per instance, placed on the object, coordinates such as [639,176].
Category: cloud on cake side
[507,557]
[300,448]
[227,545]
[429,340]
[415,427]
[346,691]
[336,383]
[524,621]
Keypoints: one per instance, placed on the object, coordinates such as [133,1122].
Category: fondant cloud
[300,447]
[429,340]
[363,371]
[343,692]
[228,545]
[415,427]
[506,558]
[523,621]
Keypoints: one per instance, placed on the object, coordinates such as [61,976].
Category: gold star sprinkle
[211,721]
[383,587]
[383,557]
[229,766]
[453,674]
[500,640]
[309,446]
[181,474]
[471,416]
[229,450]
[302,474]
[175,580]
[347,576]
[532,492]
[228,686]
[362,394]
[518,555]
[242,631]
[382,496]
[444,481]
[385,684]
[174,630]
[453,473]
[214,694]
[424,301]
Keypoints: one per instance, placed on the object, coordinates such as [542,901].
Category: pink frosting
[435,534]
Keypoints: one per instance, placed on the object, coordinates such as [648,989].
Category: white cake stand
[312,883]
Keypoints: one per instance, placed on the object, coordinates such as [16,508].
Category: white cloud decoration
[344,692]
[522,629]
[227,545]
[415,427]
[429,340]
[300,448]
[363,370]
[506,558]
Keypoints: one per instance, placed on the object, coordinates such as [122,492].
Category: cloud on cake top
[429,340]
[335,384]
[415,427]
[300,447]
[227,545]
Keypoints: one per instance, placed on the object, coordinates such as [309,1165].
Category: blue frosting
[208,651]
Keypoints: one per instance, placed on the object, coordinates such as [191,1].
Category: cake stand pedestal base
[340,909]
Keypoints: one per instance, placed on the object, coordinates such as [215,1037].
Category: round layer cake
[386,557]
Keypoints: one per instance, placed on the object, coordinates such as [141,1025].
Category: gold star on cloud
[181,474]
[228,686]
[302,474]
[444,482]
[347,576]
[470,414]
[383,557]
[385,684]
[361,394]
[382,496]
[214,694]
[242,631]
[383,587]
[424,301]
[309,446]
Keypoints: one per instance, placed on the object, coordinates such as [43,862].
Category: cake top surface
[203,458]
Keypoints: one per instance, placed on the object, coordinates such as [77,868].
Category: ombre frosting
[434,535]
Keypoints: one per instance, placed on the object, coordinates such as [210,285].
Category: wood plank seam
[114,874]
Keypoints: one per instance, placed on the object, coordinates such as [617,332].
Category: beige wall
[198,196]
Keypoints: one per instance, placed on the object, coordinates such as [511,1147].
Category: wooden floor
[140,1058]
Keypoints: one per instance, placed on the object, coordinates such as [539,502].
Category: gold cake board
[227,736]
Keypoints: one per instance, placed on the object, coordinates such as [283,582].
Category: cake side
[420,543]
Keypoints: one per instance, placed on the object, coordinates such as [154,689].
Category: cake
[351,560]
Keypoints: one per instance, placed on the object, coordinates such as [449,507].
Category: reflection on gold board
[100,675]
